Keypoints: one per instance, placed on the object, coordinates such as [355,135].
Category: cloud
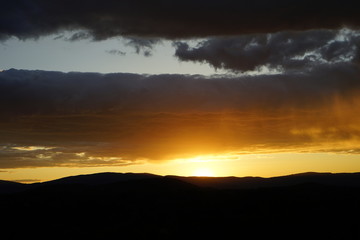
[287,51]
[27,180]
[170,19]
[92,119]
[31,148]
[143,46]
[116,52]
[41,92]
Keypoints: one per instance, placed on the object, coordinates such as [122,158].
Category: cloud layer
[91,119]
[287,51]
[170,19]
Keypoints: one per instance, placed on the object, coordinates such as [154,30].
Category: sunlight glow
[203,172]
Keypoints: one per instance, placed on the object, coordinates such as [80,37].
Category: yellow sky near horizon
[263,165]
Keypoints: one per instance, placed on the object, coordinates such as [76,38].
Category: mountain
[330,179]
[11,187]
[98,179]
[144,206]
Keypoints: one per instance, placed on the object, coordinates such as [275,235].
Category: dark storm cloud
[91,119]
[103,19]
[42,92]
[284,50]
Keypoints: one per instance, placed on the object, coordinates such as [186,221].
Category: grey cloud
[75,36]
[41,92]
[285,50]
[143,46]
[102,19]
[116,52]
[79,36]
[91,119]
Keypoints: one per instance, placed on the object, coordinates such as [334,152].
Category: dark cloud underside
[170,19]
[287,51]
[89,119]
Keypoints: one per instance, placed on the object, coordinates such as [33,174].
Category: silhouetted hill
[100,178]
[11,187]
[79,180]
[142,206]
[331,179]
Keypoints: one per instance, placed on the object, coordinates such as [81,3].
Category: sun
[203,172]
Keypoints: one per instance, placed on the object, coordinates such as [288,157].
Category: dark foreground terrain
[145,206]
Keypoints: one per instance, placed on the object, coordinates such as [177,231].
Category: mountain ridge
[142,206]
[231,182]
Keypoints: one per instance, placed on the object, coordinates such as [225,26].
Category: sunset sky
[218,88]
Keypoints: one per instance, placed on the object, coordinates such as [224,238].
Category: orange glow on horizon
[241,165]
[203,172]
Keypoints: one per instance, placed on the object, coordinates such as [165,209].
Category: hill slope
[330,179]
[146,206]
[11,187]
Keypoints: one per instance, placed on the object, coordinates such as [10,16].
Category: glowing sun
[203,172]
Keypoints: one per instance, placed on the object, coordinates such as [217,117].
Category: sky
[217,88]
